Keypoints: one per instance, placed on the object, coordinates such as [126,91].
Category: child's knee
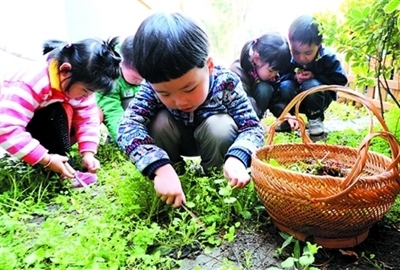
[220,128]
[310,84]
[161,122]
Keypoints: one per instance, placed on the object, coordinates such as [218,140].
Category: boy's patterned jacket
[226,95]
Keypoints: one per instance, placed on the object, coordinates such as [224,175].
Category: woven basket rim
[255,158]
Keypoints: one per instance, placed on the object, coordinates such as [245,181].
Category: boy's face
[187,92]
[131,75]
[303,53]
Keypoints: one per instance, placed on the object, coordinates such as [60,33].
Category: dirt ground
[256,250]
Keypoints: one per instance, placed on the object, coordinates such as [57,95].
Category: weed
[371,260]
[122,224]
[297,260]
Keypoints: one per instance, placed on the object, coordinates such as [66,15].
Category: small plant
[371,260]
[297,260]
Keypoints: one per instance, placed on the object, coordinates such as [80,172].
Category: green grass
[121,223]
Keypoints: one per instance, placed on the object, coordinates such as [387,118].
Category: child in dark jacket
[311,65]
[259,65]
[187,107]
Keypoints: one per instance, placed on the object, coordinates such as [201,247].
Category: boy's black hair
[127,52]
[94,62]
[272,48]
[168,45]
[304,29]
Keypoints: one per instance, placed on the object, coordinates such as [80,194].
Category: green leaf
[287,241]
[366,11]
[306,260]
[230,200]
[190,204]
[398,23]
[313,248]
[246,214]
[30,259]
[225,191]
[289,262]
[392,6]
[219,181]
[296,249]
[356,14]
[274,162]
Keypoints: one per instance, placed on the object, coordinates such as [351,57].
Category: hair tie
[255,41]
[68,45]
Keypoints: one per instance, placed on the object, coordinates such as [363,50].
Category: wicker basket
[336,212]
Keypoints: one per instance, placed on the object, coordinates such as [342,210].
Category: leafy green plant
[370,259]
[297,260]
[367,33]
[121,223]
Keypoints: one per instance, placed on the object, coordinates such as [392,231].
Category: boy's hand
[304,76]
[168,186]
[236,173]
[90,162]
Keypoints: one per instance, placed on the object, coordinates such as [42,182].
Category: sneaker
[316,127]
[83,180]
[197,169]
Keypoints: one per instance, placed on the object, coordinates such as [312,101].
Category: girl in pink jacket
[42,103]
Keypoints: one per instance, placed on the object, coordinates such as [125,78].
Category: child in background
[114,104]
[187,107]
[41,102]
[259,65]
[311,65]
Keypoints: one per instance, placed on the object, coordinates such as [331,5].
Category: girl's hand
[56,163]
[90,162]
[294,124]
[236,173]
[168,186]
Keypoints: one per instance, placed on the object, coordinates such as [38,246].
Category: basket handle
[295,102]
[359,165]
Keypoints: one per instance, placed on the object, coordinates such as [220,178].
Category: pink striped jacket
[33,87]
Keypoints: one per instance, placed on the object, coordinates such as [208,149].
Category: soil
[256,250]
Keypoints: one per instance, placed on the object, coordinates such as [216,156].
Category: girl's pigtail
[51,44]
[111,44]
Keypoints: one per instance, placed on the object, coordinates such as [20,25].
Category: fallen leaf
[349,253]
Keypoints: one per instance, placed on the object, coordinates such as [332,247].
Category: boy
[311,65]
[114,104]
[187,107]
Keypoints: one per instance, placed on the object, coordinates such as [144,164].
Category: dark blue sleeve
[330,71]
